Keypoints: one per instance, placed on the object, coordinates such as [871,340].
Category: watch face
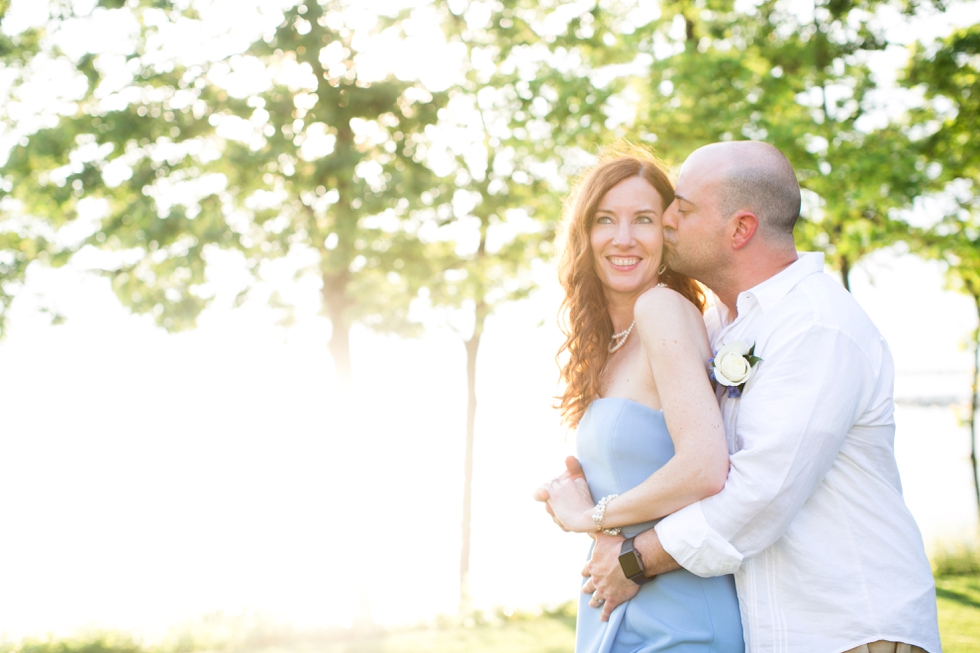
[630,564]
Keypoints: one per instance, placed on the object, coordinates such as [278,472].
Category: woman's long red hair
[585,314]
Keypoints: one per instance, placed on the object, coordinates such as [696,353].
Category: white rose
[731,365]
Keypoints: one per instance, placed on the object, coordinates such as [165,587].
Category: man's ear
[746,224]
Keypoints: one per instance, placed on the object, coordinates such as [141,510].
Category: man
[826,556]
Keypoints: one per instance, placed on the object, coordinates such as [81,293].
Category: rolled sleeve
[789,426]
[690,540]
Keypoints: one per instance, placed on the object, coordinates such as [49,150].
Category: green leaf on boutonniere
[752,360]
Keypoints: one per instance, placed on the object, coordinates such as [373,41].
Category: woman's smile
[622,263]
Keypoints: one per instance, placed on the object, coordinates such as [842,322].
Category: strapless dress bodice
[620,443]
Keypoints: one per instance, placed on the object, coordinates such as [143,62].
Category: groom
[826,556]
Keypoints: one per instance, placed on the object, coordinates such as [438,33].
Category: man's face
[694,229]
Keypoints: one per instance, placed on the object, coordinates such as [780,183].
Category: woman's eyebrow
[648,209]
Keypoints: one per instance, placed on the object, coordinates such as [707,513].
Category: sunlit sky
[147,479]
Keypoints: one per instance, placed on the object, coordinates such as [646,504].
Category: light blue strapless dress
[620,444]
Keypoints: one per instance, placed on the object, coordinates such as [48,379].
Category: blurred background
[278,295]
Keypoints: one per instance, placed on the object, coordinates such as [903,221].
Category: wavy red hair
[585,317]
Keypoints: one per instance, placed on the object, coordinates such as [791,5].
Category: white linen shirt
[811,521]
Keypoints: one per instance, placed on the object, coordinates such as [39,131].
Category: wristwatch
[632,565]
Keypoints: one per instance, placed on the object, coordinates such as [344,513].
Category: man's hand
[573,470]
[608,586]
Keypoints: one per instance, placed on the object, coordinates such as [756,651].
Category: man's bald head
[756,177]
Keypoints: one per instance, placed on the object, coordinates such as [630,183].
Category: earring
[661,269]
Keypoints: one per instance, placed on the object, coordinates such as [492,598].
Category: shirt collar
[768,293]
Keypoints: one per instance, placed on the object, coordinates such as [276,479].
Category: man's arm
[808,393]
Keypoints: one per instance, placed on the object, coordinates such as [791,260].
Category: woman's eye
[603,220]
[644,219]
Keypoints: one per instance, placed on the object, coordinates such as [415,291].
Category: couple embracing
[735,470]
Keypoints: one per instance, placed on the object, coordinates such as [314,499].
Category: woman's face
[627,237]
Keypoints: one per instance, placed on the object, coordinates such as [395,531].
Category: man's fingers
[607,609]
[585,571]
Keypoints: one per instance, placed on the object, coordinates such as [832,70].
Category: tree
[948,75]
[797,78]
[22,241]
[296,166]
[519,123]
[287,151]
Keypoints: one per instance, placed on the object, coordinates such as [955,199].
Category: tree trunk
[472,348]
[974,401]
[336,303]
[845,273]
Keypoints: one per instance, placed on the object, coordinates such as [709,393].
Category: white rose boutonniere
[733,366]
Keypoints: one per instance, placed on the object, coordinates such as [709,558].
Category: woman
[650,437]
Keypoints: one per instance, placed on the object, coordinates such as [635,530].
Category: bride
[650,438]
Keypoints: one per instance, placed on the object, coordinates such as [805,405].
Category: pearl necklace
[619,339]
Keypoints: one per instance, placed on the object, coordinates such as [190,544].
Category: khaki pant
[886,647]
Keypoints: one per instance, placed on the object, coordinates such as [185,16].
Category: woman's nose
[624,234]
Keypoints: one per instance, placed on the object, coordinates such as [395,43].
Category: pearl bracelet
[599,514]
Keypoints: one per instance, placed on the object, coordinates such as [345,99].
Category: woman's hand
[571,504]
[573,472]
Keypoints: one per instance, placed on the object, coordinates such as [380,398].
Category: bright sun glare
[149,479]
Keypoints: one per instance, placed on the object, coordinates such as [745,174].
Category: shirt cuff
[697,547]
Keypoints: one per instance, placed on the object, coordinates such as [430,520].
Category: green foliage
[531,120]
[799,81]
[355,207]
[174,185]
[948,74]
[955,560]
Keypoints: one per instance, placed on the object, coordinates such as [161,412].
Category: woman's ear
[746,224]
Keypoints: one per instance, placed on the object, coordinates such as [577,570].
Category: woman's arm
[672,332]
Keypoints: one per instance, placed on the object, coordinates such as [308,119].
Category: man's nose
[669,218]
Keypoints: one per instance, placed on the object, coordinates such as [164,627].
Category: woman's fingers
[558,521]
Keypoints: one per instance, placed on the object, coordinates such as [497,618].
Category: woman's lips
[623,262]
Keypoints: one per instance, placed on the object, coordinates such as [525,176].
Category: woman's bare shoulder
[665,309]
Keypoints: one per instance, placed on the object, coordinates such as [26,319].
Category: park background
[272,273]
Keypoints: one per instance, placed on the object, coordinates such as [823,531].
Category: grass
[958,597]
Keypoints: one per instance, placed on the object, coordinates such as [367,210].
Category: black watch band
[631,563]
